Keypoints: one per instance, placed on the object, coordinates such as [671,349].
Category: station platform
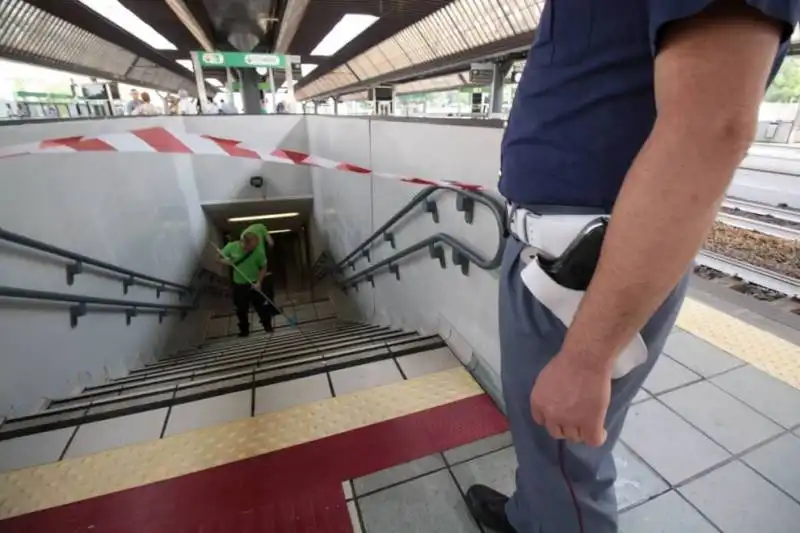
[711,444]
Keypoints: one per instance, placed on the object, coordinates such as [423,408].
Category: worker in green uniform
[248,255]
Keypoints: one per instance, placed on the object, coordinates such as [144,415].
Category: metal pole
[496,105]
[273,90]
[202,97]
[290,107]
[795,124]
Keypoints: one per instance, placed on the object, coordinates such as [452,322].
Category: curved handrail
[131,276]
[497,209]
[131,308]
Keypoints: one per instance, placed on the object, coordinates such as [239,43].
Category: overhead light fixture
[215,82]
[263,217]
[273,232]
[262,71]
[186,63]
[347,29]
[307,68]
[128,21]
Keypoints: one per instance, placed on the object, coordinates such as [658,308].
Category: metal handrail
[462,253]
[132,309]
[131,277]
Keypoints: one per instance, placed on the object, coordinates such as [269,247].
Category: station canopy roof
[69,35]
[345,46]
[442,41]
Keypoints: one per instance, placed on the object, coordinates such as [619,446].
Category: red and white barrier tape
[166,141]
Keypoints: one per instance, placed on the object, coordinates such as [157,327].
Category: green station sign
[240,60]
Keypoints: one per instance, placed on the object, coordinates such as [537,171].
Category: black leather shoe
[488,507]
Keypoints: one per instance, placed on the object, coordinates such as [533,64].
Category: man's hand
[570,399]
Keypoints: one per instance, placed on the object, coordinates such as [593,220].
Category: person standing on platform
[133,103]
[248,258]
[185,106]
[643,112]
[146,108]
[209,107]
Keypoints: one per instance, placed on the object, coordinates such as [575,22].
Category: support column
[290,101]
[273,90]
[795,125]
[251,99]
[335,106]
[496,101]
[198,78]
[229,82]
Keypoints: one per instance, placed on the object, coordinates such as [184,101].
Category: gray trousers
[530,337]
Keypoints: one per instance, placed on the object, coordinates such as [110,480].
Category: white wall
[348,208]
[222,179]
[140,211]
[144,211]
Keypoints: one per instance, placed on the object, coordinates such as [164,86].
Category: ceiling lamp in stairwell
[263,217]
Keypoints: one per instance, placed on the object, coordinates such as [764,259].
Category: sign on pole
[240,60]
[481,73]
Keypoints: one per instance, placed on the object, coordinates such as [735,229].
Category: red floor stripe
[295,490]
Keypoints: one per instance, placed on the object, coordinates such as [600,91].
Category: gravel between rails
[766,251]
[762,218]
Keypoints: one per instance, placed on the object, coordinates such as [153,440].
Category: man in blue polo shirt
[642,109]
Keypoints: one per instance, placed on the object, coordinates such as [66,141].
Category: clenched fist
[570,399]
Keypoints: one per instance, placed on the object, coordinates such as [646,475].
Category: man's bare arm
[710,78]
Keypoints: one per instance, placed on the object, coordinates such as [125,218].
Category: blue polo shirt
[585,104]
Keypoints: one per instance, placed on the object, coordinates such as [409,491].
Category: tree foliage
[786,86]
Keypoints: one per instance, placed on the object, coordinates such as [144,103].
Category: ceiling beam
[78,14]
[512,47]
[187,18]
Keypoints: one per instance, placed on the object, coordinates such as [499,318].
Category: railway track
[790,215]
[789,229]
[750,273]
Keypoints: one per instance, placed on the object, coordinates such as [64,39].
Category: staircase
[223,364]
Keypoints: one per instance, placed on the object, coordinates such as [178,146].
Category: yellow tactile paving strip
[765,351]
[68,481]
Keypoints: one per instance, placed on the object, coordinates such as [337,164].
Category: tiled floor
[209,412]
[116,432]
[91,438]
[366,376]
[711,445]
[34,449]
[290,393]
[707,448]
